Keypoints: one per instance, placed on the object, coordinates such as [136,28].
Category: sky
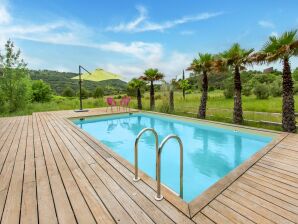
[127,37]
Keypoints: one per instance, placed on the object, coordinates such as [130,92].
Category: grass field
[218,107]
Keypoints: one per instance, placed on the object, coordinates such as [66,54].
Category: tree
[236,58]
[41,91]
[68,92]
[98,93]
[184,85]
[203,65]
[14,78]
[151,75]
[283,48]
[137,85]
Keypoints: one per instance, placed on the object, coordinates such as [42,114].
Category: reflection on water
[209,153]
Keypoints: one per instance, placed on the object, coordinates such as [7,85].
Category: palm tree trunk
[204,97]
[288,107]
[152,100]
[171,98]
[139,97]
[238,114]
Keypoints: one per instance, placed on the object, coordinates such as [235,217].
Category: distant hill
[60,80]
[99,75]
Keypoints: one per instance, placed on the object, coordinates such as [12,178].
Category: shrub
[211,88]
[84,93]
[98,92]
[229,90]
[276,89]
[41,91]
[261,91]
[68,92]
[246,90]
[15,83]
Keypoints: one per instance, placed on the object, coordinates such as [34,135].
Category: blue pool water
[210,152]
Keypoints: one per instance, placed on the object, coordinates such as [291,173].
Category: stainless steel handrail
[136,177]
[158,196]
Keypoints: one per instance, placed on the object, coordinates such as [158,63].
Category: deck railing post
[136,177]
[158,196]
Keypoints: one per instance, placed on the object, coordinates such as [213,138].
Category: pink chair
[125,102]
[111,103]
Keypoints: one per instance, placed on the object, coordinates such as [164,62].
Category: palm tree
[151,75]
[283,48]
[203,64]
[137,85]
[236,58]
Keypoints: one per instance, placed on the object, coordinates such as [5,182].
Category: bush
[276,89]
[98,92]
[85,93]
[261,91]
[41,91]
[68,92]
[211,88]
[229,90]
[246,91]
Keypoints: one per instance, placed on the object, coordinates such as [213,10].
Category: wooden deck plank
[118,212]
[29,212]
[11,213]
[63,207]
[276,213]
[53,172]
[45,201]
[8,167]
[78,203]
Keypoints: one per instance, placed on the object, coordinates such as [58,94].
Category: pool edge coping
[191,208]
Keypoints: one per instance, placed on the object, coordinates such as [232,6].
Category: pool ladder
[158,149]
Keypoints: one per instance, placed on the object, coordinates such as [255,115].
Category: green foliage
[276,89]
[283,46]
[84,93]
[152,74]
[246,90]
[295,74]
[296,88]
[14,80]
[264,78]
[133,85]
[98,93]
[229,89]
[41,91]
[184,84]
[261,91]
[68,92]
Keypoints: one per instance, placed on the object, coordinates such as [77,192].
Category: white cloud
[140,50]
[266,24]
[171,66]
[131,26]
[141,23]
[5,17]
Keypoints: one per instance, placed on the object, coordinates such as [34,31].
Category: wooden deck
[53,172]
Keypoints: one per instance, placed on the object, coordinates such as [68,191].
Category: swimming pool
[210,152]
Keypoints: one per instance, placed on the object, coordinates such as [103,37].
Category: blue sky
[127,37]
